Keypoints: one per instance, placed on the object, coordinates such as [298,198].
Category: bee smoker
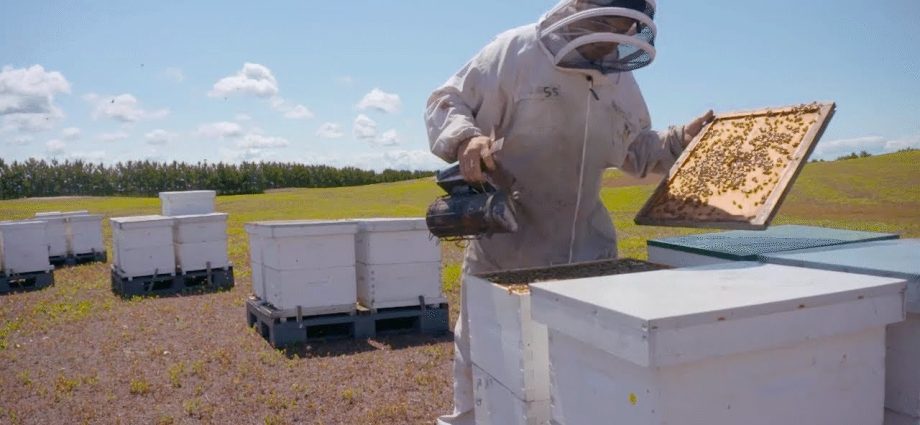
[470,210]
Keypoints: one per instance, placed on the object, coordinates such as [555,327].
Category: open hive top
[737,171]
[518,281]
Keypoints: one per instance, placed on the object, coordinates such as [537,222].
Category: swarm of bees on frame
[739,159]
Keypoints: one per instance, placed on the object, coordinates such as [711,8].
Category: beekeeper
[561,94]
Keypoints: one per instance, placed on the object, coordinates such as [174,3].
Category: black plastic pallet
[172,284]
[282,330]
[26,282]
[77,259]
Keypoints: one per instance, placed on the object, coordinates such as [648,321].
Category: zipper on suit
[581,168]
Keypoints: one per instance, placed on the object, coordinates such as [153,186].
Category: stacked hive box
[746,245]
[397,262]
[74,234]
[201,242]
[23,247]
[307,265]
[508,349]
[85,234]
[56,232]
[143,246]
[725,344]
[187,203]
[899,259]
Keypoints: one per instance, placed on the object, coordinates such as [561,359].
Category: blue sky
[345,83]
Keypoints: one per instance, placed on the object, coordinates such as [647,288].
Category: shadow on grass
[347,347]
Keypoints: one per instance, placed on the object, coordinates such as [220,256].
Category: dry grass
[75,353]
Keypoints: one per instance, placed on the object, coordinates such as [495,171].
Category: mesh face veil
[606,35]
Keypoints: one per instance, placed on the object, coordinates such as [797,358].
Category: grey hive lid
[742,245]
[895,258]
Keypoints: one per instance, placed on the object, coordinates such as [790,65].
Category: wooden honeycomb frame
[736,173]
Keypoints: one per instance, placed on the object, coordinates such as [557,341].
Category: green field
[75,353]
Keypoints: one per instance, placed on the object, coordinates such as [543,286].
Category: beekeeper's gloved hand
[695,126]
[474,153]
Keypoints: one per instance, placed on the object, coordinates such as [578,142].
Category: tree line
[40,178]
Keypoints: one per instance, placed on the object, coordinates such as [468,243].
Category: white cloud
[299,112]
[378,161]
[220,130]
[253,79]
[112,137]
[248,155]
[909,142]
[388,138]
[330,130]
[27,98]
[91,156]
[123,107]
[364,128]
[290,111]
[381,101]
[345,80]
[70,133]
[242,117]
[412,160]
[832,149]
[258,141]
[55,147]
[20,141]
[159,137]
[174,74]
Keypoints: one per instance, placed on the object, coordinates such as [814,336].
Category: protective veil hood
[605,35]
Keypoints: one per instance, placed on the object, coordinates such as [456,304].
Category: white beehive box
[739,343]
[56,235]
[85,232]
[894,258]
[397,262]
[23,247]
[504,341]
[308,264]
[497,405]
[201,242]
[143,245]
[188,203]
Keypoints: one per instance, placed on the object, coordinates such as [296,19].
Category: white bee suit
[562,128]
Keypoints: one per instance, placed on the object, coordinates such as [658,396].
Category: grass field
[75,353]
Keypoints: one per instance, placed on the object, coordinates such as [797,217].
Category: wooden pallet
[159,285]
[77,259]
[26,282]
[752,204]
[281,329]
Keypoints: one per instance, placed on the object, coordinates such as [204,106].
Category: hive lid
[22,224]
[898,259]
[680,315]
[139,222]
[294,228]
[197,218]
[748,244]
[50,214]
[189,193]
[391,224]
[85,217]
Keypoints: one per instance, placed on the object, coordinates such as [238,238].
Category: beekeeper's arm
[655,152]
[463,112]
